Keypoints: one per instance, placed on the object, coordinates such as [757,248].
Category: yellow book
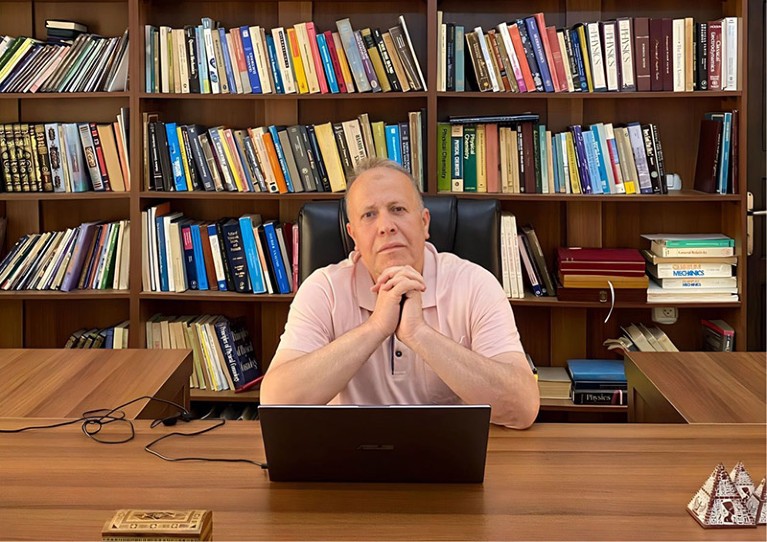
[626,160]
[197,360]
[225,143]
[327,143]
[171,60]
[27,44]
[572,162]
[513,147]
[207,356]
[184,156]
[375,59]
[481,150]
[298,65]
[345,71]
[379,138]
[307,59]
[586,56]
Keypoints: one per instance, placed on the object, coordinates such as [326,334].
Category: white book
[405,31]
[354,141]
[677,54]
[441,52]
[123,279]
[283,60]
[305,49]
[210,54]
[626,47]
[700,283]
[690,270]
[503,31]
[262,63]
[173,253]
[494,83]
[506,257]
[181,60]
[218,264]
[64,248]
[563,49]
[730,56]
[595,55]
[613,157]
[610,54]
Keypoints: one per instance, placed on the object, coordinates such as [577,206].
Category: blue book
[227,61]
[251,253]
[575,41]
[281,157]
[235,254]
[393,149]
[199,157]
[327,63]
[604,162]
[250,60]
[724,155]
[212,234]
[540,54]
[162,256]
[278,264]
[555,162]
[187,247]
[199,259]
[109,338]
[179,177]
[530,55]
[249,180]
[273,65]
[591,159]
[149,75]
[596,370]
[580,152]
[202,60]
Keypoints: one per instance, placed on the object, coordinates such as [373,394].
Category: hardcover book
[596,370]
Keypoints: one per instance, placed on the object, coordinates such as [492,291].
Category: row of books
[690,268]
[585,382]
[624,55]
[64,157]
[275,159]
[716,168]
[518,154]
[522,258]
[109,338]
[208,58]
[92,63]
[641,338]
[92,256]
[222,351]
[244,254]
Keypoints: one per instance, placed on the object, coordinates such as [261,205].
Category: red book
[312,33]
[600,261]
[715,55]
[556,55]
[667,49]
[657,54]
[492,162]
[334,60]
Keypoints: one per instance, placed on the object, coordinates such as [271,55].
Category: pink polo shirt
[462,300]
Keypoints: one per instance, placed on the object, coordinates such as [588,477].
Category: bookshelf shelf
[213,295]
[45,295]
[68,196]
[592,95]
[64,95]
[284,97]
[532,301]
[227,396]
[196,195]
[673,196]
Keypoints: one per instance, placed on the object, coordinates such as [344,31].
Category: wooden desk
[696,387]
[65,383]
[552,482]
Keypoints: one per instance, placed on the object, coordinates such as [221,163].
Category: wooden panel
[16,19]
[59,215]
[93,110]
[584,224]
[391,108]
[579,11]
[23,218]
[291,13]
[229,14]
[12,330]
[48,324]
[568,335]
[209,111]
[273,318]
[105,18]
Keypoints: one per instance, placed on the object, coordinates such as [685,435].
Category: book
[600,261]
[596,370]
[718,336]
[554,383]
[690,240]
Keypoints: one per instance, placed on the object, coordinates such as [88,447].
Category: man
[398,322]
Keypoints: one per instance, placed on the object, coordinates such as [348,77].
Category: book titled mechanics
[159,525]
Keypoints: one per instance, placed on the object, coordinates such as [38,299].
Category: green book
[691,240]
[470,158]
[443,157]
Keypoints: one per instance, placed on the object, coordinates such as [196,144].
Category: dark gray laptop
[375,443]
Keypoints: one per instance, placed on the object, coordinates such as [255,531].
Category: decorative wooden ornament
[742,480]
[719,504]
[755,503]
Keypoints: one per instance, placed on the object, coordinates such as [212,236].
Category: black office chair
[469,228]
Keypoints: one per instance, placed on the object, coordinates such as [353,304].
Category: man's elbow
[520,411]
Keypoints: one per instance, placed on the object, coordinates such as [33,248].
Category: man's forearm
[509,388]
[315,378]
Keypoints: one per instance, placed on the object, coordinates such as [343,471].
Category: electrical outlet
[665,315]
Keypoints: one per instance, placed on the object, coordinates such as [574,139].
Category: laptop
[424,443]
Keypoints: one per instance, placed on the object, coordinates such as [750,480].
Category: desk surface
[552,482]
[65,383]
[706,387]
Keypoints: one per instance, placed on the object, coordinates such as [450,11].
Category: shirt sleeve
[309,325]
[493,328]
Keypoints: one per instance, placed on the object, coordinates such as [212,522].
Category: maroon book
[715,55]
[656,54]
[602,295]
[642,53]
[667,50]
[600,261]
[707,165]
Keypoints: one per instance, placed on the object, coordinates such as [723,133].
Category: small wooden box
[174,525]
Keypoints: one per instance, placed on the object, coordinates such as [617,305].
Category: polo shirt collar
[363,282]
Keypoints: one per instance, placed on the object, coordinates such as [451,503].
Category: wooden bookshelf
[552,331]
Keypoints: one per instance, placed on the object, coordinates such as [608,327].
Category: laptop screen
[328,443]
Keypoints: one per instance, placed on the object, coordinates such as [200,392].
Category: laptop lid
[424,443]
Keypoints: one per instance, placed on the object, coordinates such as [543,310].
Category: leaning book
[176,525]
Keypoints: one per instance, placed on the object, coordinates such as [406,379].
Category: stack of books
[601,274]
[598,381]
[641,338]
[65,32]
[109,338]
[691,268]
[718,336]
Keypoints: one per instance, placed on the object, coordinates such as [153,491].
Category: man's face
[386,220]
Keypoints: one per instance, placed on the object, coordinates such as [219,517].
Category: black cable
[93,421]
